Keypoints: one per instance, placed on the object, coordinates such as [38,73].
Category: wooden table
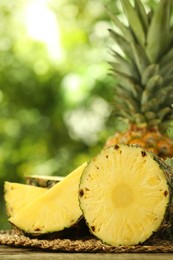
[7,252]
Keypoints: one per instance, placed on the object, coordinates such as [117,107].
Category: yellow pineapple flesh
[55,210]
[124,195]
[17,196]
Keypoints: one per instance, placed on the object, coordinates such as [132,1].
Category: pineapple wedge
[55,210]
[125,195]
[17,196]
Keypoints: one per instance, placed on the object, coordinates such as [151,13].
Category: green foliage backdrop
[55,91]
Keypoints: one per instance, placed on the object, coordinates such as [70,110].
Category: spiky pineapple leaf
[130,104]
[126,99]
[158,37]
[123,44]
[141,58]
[150,115]
[164,112]
[145,97]
[124,30]
[162,96]
[151,104]
[139,7]
[134,21]
[169,161]
[167,58]
[150,15]
[124,66]
[167,69]
[128,83]
[149,71]
[168,80]
[154,82]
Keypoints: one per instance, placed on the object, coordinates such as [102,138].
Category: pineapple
[18,195]
[43,180]
[125,194]
[57,209]
[144,70]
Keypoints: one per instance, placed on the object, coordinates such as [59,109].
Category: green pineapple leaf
[164,112]
[166,68]
[124,30]
[150,104]
[142,14]
[167,58]
[145,97]
[150,115]
[139,118]
[162,95]
[123,65]
[169,161]
[154,82]
[168,80]
[128,83]
[158,38]
[122,68]
[140,56]
[123,44]
[134,21]
[148,72]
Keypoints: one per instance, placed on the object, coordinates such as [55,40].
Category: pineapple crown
[144,69]
[169,161]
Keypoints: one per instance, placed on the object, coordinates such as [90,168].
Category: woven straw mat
[90,244]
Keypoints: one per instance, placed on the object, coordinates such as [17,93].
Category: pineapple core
[124,195]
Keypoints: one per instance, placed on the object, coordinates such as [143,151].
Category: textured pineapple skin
[150,138]
[43,181]
[92,174]
[166,229]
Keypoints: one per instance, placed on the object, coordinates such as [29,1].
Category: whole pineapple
[144,93]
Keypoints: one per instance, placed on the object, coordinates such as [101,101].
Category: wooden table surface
[7,252]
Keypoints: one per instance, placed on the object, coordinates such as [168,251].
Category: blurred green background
[55,88]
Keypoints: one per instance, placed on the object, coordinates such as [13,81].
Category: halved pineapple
[17,196]
[124,195]
[43,180]
[55,210]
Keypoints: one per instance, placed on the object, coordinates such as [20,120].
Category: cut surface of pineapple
[55,210]
[18,195]
[124,195]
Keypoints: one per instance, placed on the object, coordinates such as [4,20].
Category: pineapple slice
[43,181]
[17,195]
[124,195]
[55,210]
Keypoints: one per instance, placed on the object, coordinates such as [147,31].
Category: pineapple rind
[43,181]
[55,210]
[124,195]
